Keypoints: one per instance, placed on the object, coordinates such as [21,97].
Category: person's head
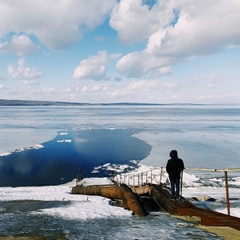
[174,154]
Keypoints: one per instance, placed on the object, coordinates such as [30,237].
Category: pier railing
[158,176]
[151,176]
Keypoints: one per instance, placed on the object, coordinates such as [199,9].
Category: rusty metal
[183,207]
[161,195]
[130,199]
[227,192]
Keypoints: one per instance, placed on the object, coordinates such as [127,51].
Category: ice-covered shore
[53,211]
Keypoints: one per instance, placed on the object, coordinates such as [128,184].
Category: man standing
[174,167]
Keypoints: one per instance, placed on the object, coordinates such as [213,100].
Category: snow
[83,206]
[82,214]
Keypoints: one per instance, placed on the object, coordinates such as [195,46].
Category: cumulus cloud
[56,24]
[127,19]
[138,64]
[22,71]
[20,45]
[179,30]
[29,82]
[94,67]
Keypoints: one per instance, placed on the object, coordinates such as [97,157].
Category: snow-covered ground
[53,212]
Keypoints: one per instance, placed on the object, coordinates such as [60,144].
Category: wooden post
[227,192]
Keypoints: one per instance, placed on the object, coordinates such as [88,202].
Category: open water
[48,145]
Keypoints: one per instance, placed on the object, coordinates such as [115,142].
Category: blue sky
[166,51]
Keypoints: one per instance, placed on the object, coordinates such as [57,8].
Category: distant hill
[4,102]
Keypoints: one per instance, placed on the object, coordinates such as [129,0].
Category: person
[174,167]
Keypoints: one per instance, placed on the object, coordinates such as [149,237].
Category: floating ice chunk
[65,140]
[63,133]
[37,146]
[5,154]
[106,164]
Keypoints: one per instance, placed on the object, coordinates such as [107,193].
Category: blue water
[87,137]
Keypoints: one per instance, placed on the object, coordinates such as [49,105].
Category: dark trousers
[174,188]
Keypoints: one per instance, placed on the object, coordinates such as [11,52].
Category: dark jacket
[174,166]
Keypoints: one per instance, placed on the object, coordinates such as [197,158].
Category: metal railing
[151,176]
[156,176]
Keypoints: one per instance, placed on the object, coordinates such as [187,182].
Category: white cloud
[94,88]
[2,48]
[127,19]
[94,67]
[201,29]
[197,28]
[23,71]
[29,82]
[20,45]
[138,64]
[56,23]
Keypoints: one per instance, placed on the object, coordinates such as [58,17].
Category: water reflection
[58,160]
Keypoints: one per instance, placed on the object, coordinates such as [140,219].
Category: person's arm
[167,167]
[183,167]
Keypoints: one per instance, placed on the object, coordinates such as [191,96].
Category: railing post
[151,176]
[161,175]
[227,192]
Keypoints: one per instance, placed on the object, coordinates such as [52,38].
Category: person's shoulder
[180,160]
[169,161]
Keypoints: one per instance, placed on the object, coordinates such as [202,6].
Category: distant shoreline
[5,102]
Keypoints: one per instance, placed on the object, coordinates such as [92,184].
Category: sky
[91,51]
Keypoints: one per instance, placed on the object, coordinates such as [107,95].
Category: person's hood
[173,154]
